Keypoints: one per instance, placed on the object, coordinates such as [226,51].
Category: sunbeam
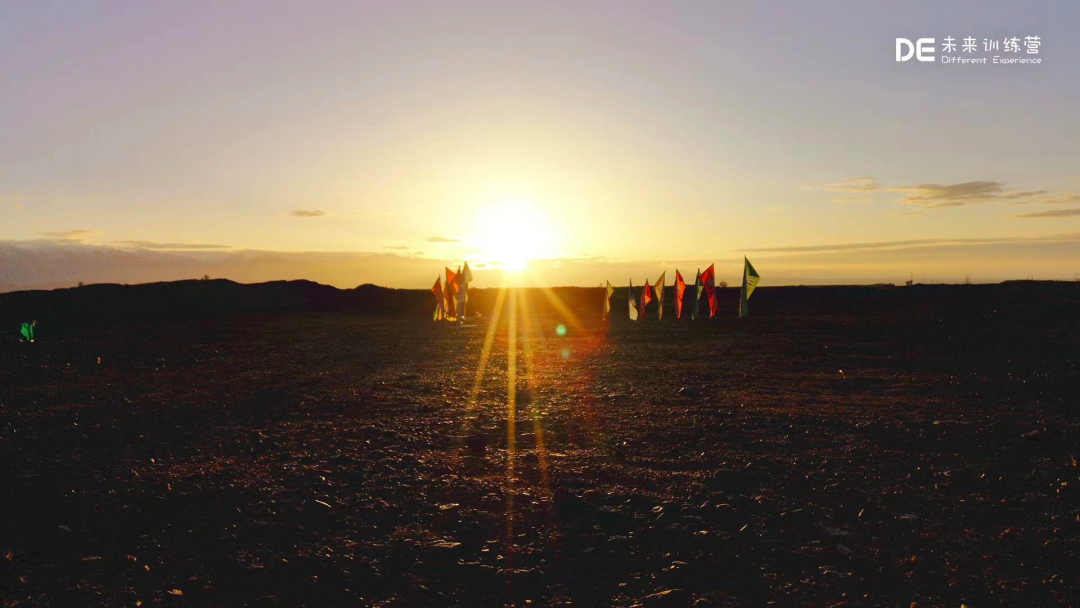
[511,431]
[485,354]
[530,378]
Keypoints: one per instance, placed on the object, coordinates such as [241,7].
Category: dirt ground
[819,457]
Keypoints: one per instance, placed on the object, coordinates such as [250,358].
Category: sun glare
[512,233]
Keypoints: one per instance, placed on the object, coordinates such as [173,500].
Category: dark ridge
[192,299]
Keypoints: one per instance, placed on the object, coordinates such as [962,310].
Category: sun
[511,233]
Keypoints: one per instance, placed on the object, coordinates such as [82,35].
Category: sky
[355,142]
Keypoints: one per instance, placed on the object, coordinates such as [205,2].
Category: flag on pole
[698,288]
[607,299]
[750,279]
[460,288]
[680,289]
[465,279]
[659,289]
[709,278]
[646,297]
[440,313]
[27,331]
[633,302]
[450,300]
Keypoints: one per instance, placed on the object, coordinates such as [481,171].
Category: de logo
[922,49]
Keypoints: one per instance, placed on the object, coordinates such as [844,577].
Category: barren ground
[804,459]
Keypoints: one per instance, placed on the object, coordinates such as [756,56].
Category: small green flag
[750,279]
[28,331]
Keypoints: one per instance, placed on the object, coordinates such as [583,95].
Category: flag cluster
[704,284]
[452,297]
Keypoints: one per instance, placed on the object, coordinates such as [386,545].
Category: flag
[27,331]
[646,297]
[633,302]
[461,289]
[450,300]
[709,278]
[698,288]
[750,279]
[607,299]
[440,314]
[680,289]
[659,289]
[465,279]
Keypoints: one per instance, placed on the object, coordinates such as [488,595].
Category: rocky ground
[817,458]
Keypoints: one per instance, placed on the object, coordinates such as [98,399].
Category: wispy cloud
[443,239]
[885,245]
[1066,198]
[936,196]
[1052,213]
[68,235]
[1026,195]
[155,246]
[862,185]
[307,213]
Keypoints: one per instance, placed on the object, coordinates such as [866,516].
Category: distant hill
[179,300]
[191,299]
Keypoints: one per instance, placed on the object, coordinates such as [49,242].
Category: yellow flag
[750,279]
[607,299]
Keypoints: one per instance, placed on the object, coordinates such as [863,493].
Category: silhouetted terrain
[197,299]
[843,446]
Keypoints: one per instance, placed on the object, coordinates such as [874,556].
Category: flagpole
[744,305]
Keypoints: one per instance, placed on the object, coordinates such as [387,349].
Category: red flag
[709,278]
[680,289]
[451,294]
[646,294]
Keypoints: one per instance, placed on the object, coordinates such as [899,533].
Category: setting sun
[511,233]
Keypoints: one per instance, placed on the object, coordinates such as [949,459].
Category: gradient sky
[352,142]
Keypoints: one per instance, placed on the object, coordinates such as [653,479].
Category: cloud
[398,247]
[48,264]
[443,239]
[1030,194]
[912,243]
[863,185]
[307,213]
[155,246]
[1053,213]
[68,235]
[1067,198]
[16,207]
[935,196]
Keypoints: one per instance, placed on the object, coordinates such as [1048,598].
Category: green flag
[27,331]
[750,279]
